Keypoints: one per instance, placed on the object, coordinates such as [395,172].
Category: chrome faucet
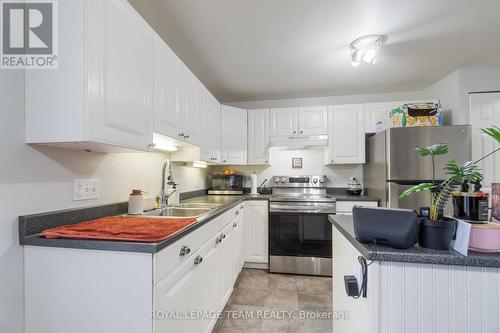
[169,181]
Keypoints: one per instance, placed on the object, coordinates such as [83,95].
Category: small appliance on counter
[354,187]
[227,183]
[469,206]
[485,238]
[396,228]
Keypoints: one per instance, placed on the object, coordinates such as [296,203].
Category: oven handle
[280,208]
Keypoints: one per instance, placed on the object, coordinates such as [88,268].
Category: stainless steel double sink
[192,209]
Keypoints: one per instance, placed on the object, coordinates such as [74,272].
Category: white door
[258,136]
[192,110]
[377,116]
[184,290]
[168,85]
[237,243]
[284,121]
[313,120]
[346,140]
[485,112]
[256,231]
[234,135]
[120,55]
[210,145]
[225,258]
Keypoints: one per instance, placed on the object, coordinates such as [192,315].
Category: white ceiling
[245,50]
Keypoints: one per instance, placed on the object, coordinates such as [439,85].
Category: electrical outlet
[86,189]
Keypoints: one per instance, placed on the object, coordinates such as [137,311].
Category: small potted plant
[436,231]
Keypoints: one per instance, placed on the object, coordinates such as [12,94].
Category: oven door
[300,229]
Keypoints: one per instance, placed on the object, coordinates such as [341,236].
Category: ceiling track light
[365,48]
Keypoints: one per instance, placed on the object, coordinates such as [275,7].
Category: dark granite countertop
[415,254]
[30,226]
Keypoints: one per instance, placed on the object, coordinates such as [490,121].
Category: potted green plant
[436,231]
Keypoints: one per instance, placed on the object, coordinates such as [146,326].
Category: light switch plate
[86,189]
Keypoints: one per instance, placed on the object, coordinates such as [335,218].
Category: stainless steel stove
[300,234]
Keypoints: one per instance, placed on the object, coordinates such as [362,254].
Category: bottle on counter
[135,203]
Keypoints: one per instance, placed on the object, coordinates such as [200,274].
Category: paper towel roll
[254,184]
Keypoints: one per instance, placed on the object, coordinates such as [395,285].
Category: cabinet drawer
[345,207]
[171,257]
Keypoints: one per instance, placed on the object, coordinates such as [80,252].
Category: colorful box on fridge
[417,114]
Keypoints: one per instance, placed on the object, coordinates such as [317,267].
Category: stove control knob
[283,180]
[315,180]
[276,180]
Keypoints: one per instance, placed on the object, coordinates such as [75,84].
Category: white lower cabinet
[188,289]
[256,232]
[178,289]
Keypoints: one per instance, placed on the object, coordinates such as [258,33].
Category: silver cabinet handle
[237,213]
[266,162]
[235,225]
[186,136]
[294,132]
[301,131]
[181,135]
[223,236]
[218,240]
[185,250]
[152,145]
[198,260]
[241,207]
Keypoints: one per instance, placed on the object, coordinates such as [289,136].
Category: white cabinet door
[258,136]
[225,259]
[241,238]
[485,112]
[192,107]
[190,287]
[346,139]
[120,50]
[237,243]
[313,120]
[377,116]
[256,231]
[284,121]
[168,87]
[234,135]
[211,142]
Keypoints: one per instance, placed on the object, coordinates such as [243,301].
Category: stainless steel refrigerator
[392,165]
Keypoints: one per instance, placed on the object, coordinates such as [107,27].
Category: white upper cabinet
[168,90]
[101,96]
[284,121]
[234,135]
[313,120]
[377,116]
[193,107]
[346,139]
[211,133]
[298,121]
[258,136]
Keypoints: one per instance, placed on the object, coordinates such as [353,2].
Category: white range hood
[299,141]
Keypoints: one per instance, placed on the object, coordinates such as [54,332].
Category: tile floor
[263,302]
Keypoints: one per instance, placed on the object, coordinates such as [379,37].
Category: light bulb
[369,56]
